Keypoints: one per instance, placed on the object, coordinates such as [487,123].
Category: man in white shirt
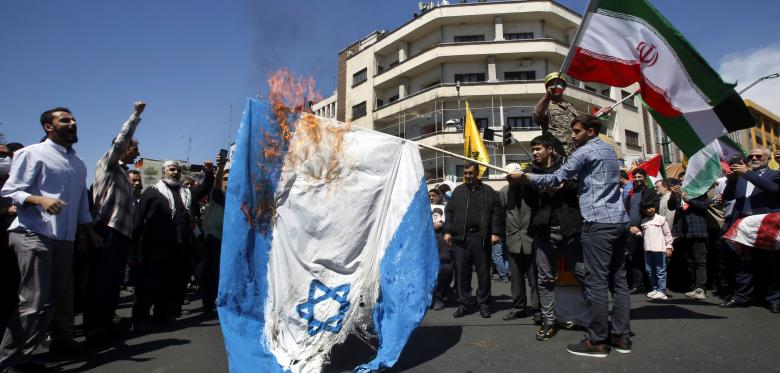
[47,184]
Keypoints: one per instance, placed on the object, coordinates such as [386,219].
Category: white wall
[452,68]
[519,64]
[418,81]
[419,45]
[524,26]
[487,29]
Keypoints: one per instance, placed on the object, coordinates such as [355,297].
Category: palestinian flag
[623,42]
[708,164]
[760,231]
[654,169]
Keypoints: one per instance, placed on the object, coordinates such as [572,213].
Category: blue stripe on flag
[411,257]
[243,280]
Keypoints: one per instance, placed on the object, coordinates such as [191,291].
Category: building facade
[414,82]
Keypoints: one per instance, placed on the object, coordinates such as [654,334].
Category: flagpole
[488,165]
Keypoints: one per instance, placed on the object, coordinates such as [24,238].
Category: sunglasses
[756,156]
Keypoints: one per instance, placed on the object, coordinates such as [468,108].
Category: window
[521,123]
[590,88]
[605,92]
[359,77]
[393,63]
[520,75]
[481,122]
[393,98]
[359,110]
[632,139]
[469,38]
[379,102]
[519,36]
[470,78]
[624,94]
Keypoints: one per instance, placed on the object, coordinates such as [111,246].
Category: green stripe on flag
[678,130]
[703,169]
[704,77]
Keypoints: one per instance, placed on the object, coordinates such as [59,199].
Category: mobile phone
[223,153]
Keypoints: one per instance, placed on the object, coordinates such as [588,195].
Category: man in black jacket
[690,232]
[555,227]
[473,223]
[755,190]
[635,251]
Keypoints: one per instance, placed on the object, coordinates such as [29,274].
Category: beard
[171,182]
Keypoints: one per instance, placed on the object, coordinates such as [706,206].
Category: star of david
[306,309]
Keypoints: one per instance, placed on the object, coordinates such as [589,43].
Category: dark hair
[665,183]
[14,146]
[443,188]
[623,174]
[648,204]
[46,116]
[435,191]
[588,122]
[437,210]
[639,171]
[469,165]
[134,172]
[544,140]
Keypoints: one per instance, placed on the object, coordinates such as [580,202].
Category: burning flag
[624,42]
[327,233]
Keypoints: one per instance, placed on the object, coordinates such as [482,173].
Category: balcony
[522,90]
[459,52]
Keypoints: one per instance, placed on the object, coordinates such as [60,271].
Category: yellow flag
[473,147]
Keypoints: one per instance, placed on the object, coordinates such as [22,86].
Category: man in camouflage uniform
[554,114]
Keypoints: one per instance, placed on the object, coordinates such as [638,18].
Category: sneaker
[652,294]
[660,295]
[621,343]
[585,348]
[438,305]
[697,293]
[546,332]
[460,312]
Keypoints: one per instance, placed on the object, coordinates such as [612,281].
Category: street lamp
[759,80]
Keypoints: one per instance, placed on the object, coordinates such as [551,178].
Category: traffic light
[507,135]
[488,134]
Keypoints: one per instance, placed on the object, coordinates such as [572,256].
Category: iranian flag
[623,42]
[653,168]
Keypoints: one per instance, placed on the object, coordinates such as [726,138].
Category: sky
[192,61]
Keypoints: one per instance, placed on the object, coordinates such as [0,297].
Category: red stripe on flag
[592,67]
[767,232]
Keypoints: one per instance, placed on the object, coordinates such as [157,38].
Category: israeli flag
[327,233]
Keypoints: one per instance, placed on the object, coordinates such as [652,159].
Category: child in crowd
[658,245]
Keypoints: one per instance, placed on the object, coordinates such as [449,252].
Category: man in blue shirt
[47,184]
[595,166]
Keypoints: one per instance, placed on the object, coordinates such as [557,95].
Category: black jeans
[208,271]
[521,265]
[635,262]
[473,252]
[696,257]
[603,249]
[746,267]
[106,275]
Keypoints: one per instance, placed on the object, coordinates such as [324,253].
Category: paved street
[677,335]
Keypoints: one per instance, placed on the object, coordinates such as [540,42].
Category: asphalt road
[676,335]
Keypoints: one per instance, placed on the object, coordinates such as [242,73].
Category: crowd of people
[613,231]
[69,246]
